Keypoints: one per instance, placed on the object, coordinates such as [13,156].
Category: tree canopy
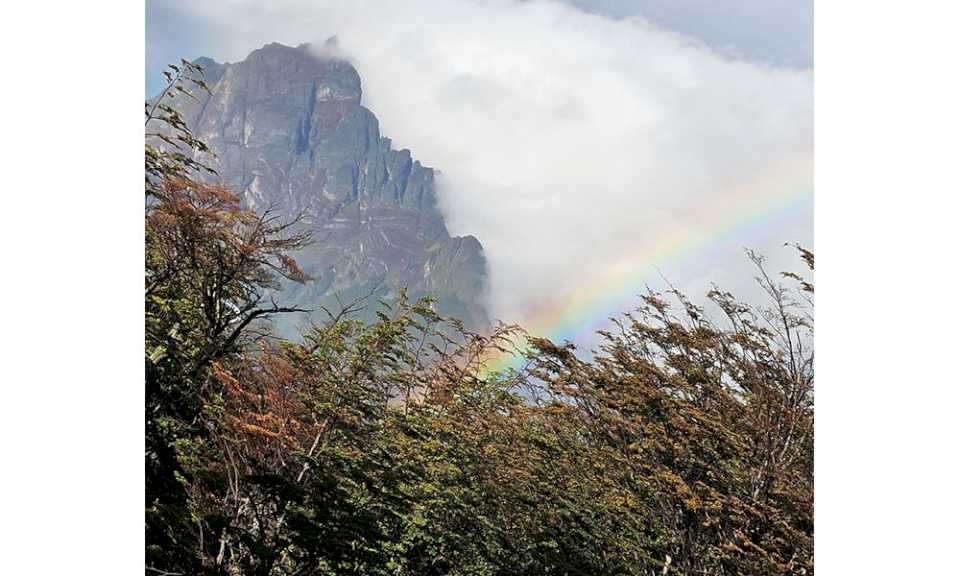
[684,445]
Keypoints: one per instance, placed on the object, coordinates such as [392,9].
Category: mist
[569,143]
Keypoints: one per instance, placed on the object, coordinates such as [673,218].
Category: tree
[209,265]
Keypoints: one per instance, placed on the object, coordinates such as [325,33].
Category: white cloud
[569,143]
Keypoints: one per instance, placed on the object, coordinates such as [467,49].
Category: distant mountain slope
[292,135]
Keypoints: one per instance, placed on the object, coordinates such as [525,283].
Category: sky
[593,146]
[778,32]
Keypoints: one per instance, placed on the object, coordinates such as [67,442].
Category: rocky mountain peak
[291,135]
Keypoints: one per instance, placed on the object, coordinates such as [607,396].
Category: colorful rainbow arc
[767,199]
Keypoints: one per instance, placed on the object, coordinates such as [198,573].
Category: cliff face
[292,136]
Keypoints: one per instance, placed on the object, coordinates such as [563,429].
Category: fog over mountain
[572,145]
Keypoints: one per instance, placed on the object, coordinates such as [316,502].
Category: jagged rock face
[292,136]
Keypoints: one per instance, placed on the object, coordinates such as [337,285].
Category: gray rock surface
[292,136]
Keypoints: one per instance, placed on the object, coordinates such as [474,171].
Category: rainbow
[762,203]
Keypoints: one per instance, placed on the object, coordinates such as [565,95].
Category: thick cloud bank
[569,143]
